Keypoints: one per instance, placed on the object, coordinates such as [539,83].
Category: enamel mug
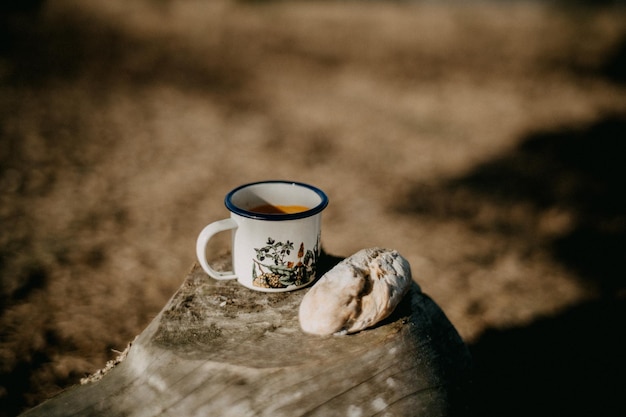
[276,229]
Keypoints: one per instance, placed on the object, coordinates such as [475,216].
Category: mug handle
[203,239]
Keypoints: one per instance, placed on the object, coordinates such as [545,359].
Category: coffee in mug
[278,209]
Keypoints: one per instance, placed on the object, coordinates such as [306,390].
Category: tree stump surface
[220,349]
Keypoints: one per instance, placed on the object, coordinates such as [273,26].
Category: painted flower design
[272,269]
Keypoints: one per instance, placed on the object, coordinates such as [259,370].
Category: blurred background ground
[480,139]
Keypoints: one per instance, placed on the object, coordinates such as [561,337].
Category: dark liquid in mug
[278,209]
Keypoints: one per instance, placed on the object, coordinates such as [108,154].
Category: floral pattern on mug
[271,269]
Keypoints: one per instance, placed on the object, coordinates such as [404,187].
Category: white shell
[357,293]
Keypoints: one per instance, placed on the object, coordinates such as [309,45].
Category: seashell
[357,293]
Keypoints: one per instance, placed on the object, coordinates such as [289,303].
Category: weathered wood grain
[219,349]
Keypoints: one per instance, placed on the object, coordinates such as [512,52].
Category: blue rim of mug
[286,216]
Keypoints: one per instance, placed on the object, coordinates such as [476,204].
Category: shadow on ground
[578,172]
[569,365]
[573,363]
[77,47]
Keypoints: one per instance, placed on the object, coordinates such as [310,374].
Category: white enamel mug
[276,230]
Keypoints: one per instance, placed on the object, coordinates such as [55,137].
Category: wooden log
[219,349]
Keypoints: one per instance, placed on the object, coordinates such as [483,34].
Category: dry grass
[439,130]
